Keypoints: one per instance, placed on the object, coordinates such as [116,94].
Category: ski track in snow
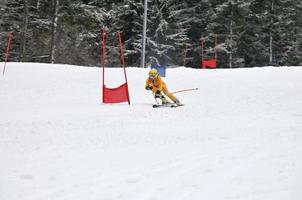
[237,137]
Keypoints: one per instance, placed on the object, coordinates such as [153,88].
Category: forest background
[249,32]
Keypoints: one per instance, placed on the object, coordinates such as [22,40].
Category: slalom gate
[121,93]
[208,63]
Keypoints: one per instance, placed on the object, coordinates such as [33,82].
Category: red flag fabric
[116,95]
[209,63]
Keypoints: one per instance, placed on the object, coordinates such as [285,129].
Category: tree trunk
[24,31]
[271,37]
[38,4]
[54,31]
[231,39]
[296,31]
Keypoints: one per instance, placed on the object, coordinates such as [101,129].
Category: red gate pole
[103,60]
[202,50]
[216,47]
[7,51]
[123,62]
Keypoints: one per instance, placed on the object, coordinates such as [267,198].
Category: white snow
[238,137]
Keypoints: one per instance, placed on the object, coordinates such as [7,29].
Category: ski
[167,105]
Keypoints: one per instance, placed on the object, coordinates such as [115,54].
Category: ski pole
[155,98]
[186,90]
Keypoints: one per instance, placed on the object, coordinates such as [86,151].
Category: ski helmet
[153,73]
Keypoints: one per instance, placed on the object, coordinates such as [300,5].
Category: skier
[157,86]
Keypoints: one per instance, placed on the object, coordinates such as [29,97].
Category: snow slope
[238,137]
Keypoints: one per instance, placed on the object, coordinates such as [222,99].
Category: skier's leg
[161,97]
[170,95]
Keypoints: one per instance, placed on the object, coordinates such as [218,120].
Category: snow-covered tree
[260,33]
[199,14]
[290,32]
[250,32]
[167,31]
[273,33]
[127,18]
[9,16]
[229,21]
[78,32]
[18,18]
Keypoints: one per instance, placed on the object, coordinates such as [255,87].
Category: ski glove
[149,87]
[158,94]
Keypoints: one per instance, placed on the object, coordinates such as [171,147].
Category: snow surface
[238,137]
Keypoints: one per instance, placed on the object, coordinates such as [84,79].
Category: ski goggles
[153,76]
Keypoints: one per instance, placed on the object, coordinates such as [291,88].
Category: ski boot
[178,103]
[164,100]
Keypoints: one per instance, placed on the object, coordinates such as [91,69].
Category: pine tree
[250,32]
[273,33]
[127,18]
[290,31]
[229,21]
[259,35]
[199,13]
[3,34]
[167,32]
[21,18]
[13,20]
[78,32]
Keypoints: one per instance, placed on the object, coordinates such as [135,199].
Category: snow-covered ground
[238,137]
